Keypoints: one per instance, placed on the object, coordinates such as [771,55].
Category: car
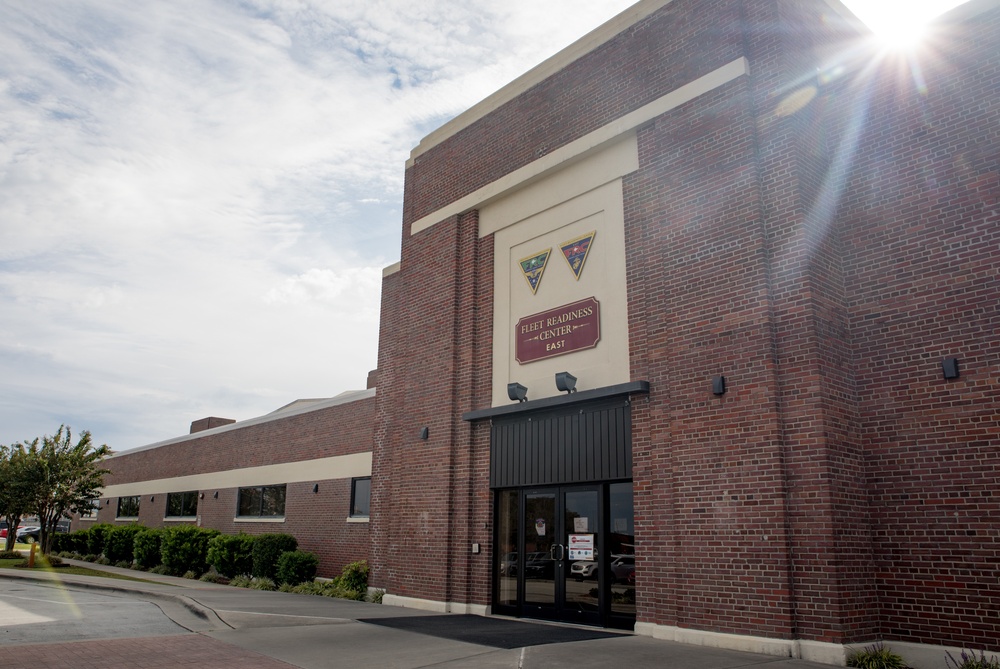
[583,569]
[28,535]
[623,569]
[538,565]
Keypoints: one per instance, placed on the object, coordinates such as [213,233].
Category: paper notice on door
[581,547]
[580,525]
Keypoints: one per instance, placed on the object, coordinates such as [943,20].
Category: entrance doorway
[566,553]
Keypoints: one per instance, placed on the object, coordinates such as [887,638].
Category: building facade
[303,470]
[694,332]
[768,254]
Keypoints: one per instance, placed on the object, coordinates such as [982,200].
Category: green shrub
[62,542]
[96,537]
[309,588]
[213,577]
[354,577]
[119,542]
[241,581]
[294,567]
[146,547]
[80,541]
[124,564]
[267,548]
[10,555]
[102,560]
[185,548]
[231,554]
[876,656]
[191,575]
[336,588]
[161,569]
[375,596]
[262,584]
[969,660]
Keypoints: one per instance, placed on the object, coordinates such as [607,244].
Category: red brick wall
[921,215]
[317,520]
[431,497]
[841,490]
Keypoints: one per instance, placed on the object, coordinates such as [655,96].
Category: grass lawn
[11,563]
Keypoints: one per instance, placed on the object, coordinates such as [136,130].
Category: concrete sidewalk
[234,627]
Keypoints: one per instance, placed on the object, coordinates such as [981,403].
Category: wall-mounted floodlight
[949,368]
[517,392]
[425,432]
[315,487]
[565,382]
[718,385]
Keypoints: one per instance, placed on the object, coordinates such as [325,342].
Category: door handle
[552,552]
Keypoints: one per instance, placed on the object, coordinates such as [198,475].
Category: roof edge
[559,61]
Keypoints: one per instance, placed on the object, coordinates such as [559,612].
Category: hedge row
[187,549]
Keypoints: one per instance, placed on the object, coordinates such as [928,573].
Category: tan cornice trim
[540,72]
[320,469]
[589,143]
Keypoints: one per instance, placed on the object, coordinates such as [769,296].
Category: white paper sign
[581,547]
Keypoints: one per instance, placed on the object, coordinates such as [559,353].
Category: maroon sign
[565,329]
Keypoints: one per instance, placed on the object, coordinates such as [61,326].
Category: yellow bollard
[31,556]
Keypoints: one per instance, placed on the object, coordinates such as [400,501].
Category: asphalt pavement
[51,620]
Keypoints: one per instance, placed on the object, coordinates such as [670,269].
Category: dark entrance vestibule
[561,473]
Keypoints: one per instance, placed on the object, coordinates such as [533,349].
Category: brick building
[304,470]
[762,247]
[694,332]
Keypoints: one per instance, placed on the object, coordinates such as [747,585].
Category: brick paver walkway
[160,652]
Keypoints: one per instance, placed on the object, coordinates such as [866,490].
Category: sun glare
[899,25]
[900,32]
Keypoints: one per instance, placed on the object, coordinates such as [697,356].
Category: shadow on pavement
[494,632]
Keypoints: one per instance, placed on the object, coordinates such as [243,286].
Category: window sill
[127,519]
[357,519]
[252,519]
[179,519]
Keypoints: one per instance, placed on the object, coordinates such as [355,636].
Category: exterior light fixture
[216,495]
[151,498]
[424,433]
[565,382]
[201,495]
[516,391]
[315,487]
[719,385]
[949,367]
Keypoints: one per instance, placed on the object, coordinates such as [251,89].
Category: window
[182,503]
[128,507]
[361,491]
[91,509]
[262,501]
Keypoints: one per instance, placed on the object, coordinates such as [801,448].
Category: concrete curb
[181,609]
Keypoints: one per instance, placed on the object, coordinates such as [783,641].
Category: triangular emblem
[533,266]
[575,251]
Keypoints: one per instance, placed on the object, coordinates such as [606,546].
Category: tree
[13,489]
[62,478]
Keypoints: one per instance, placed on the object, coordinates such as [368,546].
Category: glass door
[548,553]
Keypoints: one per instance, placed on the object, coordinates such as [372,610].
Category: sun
[897,24]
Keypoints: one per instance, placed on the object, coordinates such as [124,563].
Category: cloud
[197,197]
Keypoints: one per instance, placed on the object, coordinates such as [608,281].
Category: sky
[198,197]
